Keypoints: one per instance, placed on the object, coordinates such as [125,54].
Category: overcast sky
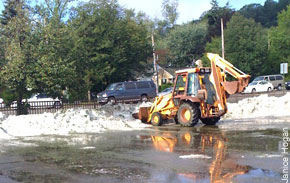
[188,9]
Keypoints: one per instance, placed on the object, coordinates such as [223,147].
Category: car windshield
[111,87]
[259,78]
[253,83]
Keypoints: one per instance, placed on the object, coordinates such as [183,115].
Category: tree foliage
[266,14]
[109,44]
[15,73]
[280,41]
[186,43]
[246,45]
[213,18]
[169,11]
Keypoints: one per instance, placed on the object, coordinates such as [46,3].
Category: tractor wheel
[188,115]
[156,119]
[210,121]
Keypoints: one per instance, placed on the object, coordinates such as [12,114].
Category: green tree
[266,14]
[280,41]
[54,68]
[15,73]
[10,11]
[215,46]
[246,45]
[213,18]
[186,43]
[169,11]
[108,44]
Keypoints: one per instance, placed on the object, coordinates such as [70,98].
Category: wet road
[245,151]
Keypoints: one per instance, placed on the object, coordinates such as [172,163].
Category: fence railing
[44,106]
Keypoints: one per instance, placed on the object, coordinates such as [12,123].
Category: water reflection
[200,143]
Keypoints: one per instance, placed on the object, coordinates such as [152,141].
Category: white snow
[118,117]
[194,156]
[260,106]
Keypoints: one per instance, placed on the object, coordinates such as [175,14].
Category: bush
[164,86]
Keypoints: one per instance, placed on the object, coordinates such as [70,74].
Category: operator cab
[190,81]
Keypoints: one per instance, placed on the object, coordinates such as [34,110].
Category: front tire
[188,115]
[156,119]
[269,89]
[210,121]
[253,90]
[279,87]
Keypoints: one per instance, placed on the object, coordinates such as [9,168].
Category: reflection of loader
[199,93]
[209,141]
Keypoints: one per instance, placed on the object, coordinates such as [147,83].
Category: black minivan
[127,91]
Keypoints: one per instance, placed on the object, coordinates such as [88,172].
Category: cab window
[193,84]
[180,84]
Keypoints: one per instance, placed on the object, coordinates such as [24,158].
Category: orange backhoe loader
[198,93]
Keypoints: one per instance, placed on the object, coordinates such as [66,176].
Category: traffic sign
[284,68]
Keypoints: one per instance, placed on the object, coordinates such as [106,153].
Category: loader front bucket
[143,114]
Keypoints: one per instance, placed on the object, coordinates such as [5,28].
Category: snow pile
[2,117]
[260,106]
[118,117]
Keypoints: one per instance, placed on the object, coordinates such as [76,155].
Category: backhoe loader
[198,93]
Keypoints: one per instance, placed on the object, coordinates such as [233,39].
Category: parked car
[127,91]
[276,80]
[40,100]
[287,85]
[2,104]
[259,86]
[165,91]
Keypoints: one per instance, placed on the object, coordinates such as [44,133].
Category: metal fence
[44,106]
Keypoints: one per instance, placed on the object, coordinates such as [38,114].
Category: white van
[276,80]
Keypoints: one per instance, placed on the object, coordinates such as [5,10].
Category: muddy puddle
[166,154]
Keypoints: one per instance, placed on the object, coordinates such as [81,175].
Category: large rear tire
[156,119]
[210,121]
[188,114]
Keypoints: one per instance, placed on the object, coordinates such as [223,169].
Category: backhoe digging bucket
[233,87]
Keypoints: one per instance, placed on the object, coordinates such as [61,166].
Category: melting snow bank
[118,117]
[260,106]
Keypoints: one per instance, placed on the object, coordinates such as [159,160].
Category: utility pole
[223,41]
[154,64]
